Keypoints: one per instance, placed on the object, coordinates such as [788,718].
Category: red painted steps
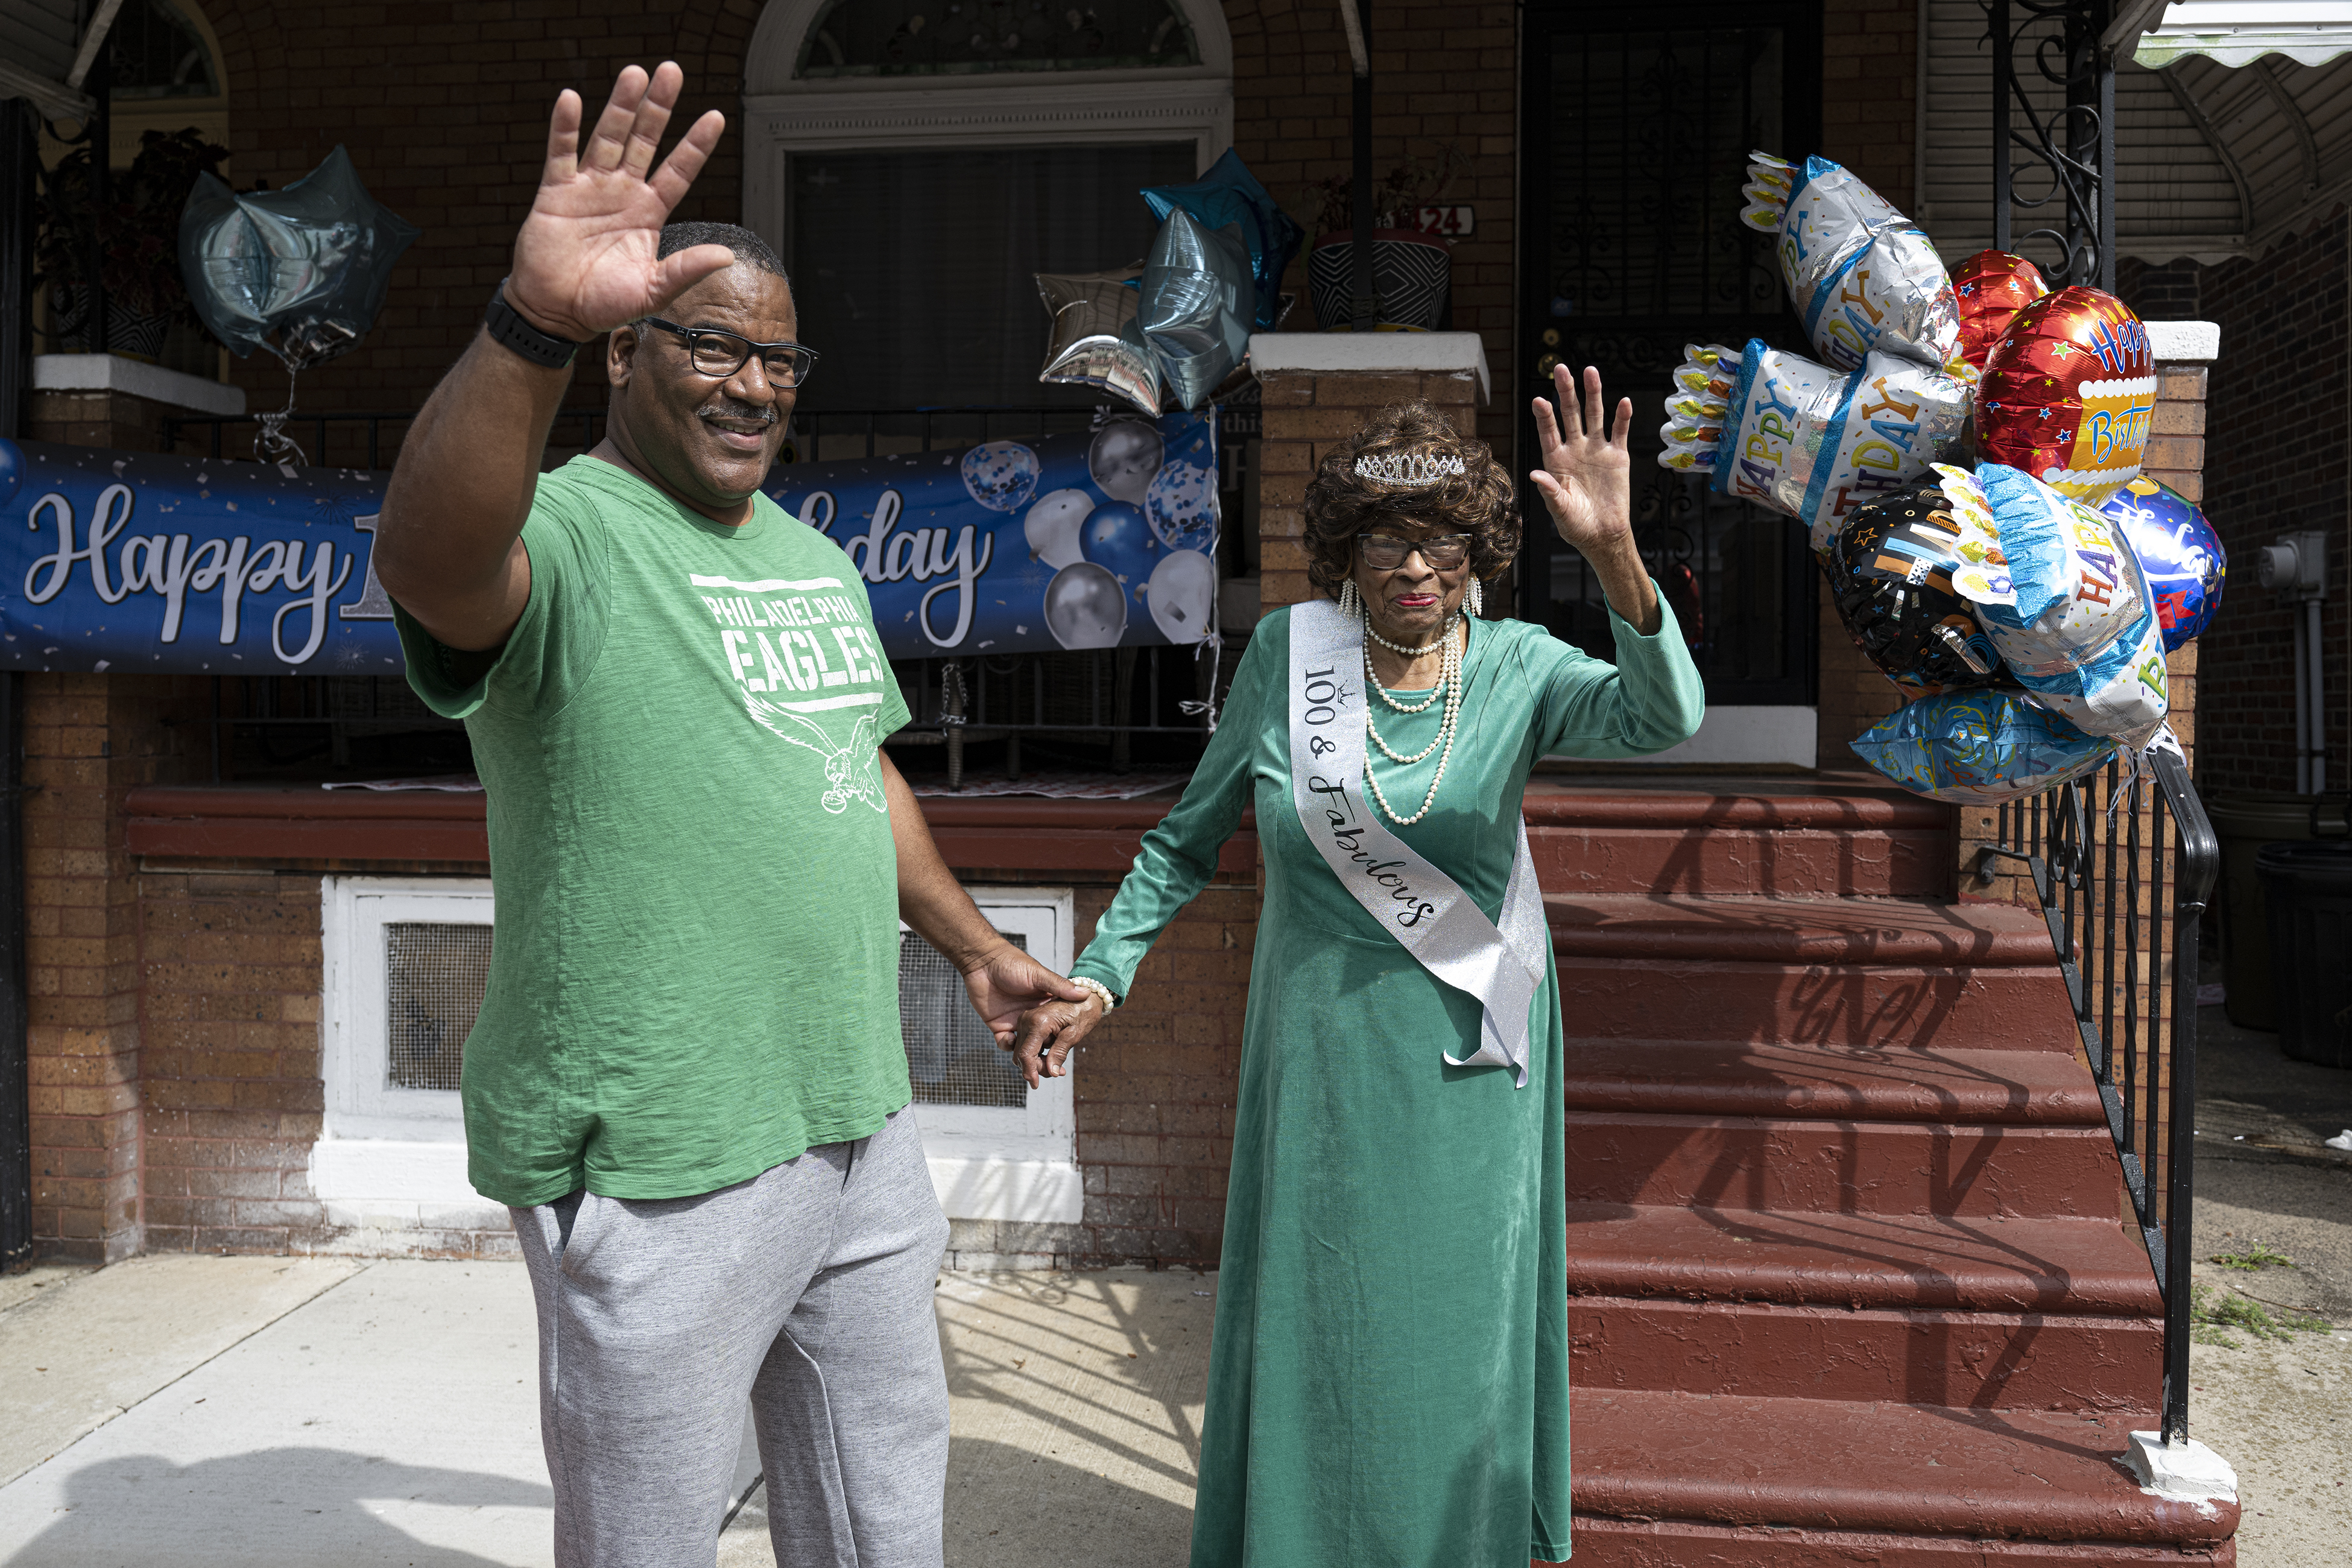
[1817,1477]
[1858,1261]
[1893,1082]
[1841,1190]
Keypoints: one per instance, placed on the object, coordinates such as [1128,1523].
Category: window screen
[951,1054]
[435,974]
[913,271]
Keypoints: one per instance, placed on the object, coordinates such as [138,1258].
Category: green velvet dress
[1388,1384]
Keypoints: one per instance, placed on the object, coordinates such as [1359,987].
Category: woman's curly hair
[1479,502]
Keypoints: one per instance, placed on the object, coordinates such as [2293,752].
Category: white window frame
[386,1157]
[783,116]
[1008,1163]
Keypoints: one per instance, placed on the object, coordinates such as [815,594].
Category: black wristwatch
[508,329]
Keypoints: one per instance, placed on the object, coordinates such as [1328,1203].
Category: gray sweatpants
[807,1288]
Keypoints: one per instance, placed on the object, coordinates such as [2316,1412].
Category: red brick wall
[2278,463]
[444,110]
[1440,74]
[90,740]
[1155,1088]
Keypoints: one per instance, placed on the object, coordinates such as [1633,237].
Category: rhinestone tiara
[1409,468]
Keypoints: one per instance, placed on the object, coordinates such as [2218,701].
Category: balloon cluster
[1173,329]
[2024,604]
[1140,539]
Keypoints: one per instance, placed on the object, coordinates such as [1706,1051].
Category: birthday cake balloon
[2068,395]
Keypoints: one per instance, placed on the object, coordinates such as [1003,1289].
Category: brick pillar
[2176,455]
[90,740]
[1316,388]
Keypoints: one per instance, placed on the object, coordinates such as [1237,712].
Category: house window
[914,194]
[968,38]
[915,270]
[998,1148]
[406,962]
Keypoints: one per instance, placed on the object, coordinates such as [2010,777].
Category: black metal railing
[2053,119]
[2122,873]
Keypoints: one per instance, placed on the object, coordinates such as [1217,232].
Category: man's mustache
[727,408]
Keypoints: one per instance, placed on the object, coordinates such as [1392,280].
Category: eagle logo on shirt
[852,772]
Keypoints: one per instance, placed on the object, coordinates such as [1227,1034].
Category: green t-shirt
[695,973]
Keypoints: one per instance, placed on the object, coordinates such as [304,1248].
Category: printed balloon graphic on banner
[1084,607]
[2179,551]
[1182,506]
[1000,475]
[952,561]
[12,471]
[1116,538]
[1182,592]
[1052,527]
[2068,395]
[1124,456]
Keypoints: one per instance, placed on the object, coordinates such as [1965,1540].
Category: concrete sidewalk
[260,1412]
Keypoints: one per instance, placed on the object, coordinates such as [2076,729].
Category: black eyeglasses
[720,354]
[1386,552]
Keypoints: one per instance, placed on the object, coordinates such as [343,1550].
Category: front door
[1635,143]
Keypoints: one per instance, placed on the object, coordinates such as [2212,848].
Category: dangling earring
[1478,597]
[1351,606]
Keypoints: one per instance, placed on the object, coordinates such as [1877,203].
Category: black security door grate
[1636,145]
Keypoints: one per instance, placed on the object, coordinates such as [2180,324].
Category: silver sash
[1420,906]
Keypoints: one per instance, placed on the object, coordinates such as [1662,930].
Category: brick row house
[1844,1190]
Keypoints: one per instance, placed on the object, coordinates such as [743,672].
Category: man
[688,1080]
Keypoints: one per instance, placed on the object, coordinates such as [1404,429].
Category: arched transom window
[971,37]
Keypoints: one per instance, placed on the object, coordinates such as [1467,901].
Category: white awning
[2240,32]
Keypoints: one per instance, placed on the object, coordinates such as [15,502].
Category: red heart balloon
[1992,287]
[2068,395]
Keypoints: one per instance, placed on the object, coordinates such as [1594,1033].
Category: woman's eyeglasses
[720,354]
[1386,552]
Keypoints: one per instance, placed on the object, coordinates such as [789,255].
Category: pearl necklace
[1430,646]
[1449,686]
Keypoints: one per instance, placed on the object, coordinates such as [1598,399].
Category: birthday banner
[130,561]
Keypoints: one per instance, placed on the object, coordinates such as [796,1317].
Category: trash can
[2244,823]
[2309,890]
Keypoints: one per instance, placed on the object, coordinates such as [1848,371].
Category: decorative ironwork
[2122,874]
[2054,101]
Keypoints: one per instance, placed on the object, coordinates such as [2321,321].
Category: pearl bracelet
[1102,991]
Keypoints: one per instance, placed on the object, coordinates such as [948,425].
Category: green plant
[1417,182]
[136,234]
[2257,1255]
[2211,1318]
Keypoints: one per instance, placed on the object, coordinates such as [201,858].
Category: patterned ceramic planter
[1410,273]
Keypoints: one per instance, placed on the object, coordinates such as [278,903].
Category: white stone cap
[1371,353]
[2173,341]
[2190,1473]
[112,372]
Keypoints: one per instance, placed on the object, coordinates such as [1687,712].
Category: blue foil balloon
[2178,549]
[1116,538]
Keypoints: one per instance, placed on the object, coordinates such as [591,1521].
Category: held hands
[1029,1008]
[584,261]
[1586,480]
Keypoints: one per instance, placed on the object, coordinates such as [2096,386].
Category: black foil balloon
[1890,572]
[300,271]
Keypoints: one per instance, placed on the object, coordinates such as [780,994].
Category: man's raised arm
[449,547]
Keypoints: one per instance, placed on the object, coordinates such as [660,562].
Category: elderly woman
[1388,1377]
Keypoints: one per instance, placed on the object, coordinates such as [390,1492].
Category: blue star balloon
[300,271]
[1228,194]
[2178,549]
